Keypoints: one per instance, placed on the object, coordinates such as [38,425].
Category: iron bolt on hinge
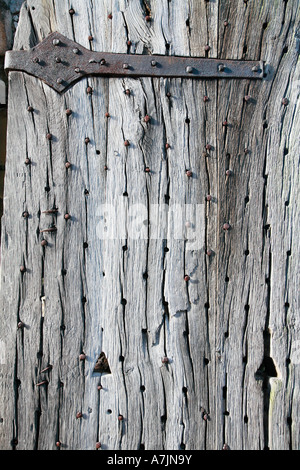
[60,63]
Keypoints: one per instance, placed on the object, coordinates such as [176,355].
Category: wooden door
[202,341]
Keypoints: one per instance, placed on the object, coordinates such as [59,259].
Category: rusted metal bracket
[60,63]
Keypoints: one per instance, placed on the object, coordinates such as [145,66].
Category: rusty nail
[126,143]
[205,99]
[147,118]
[129,43]
[229,172]
[22,269]
[148,18]
[58,444]
[47,368]
[30,109]
[25,215]
[87,140]
[189,173]
[90,38]
[120,417]
[21,325]
[82,357]
[44,243]
[208,197]
[147,170]
[89,90]
[127,92]
[186,278]
[107,115]
[285,101]
[79,415]
[247,98]
[168,94]
[226,23]
[189,69]
[105,167]
[165,360]
[99,387]
[226,226]
[168,146]
[207,47]
[208,147]
[49,136]
[67,217]
[56,42]
[110,16]
[209,252]
[224,123]
[205,416]
[68,112]
[72,11]
[45,382]
[246,150]
[225,447]
[51,211]
[98,445]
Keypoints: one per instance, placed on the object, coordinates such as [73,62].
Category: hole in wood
[184,390]
[121,358]
[226,334]
[206,361]
[226,279]
[85,245]
[245,419]
[142,388]
[109,412]
[102,365]
[226,413]
[247,252]
[123,301]
[289,253]
[266,369]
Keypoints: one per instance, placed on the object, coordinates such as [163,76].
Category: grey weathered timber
[231,330]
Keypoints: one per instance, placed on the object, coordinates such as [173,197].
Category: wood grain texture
[231,332]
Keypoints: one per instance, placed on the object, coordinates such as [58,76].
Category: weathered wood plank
[234,321]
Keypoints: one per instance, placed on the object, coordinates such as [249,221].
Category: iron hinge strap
[60,63]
